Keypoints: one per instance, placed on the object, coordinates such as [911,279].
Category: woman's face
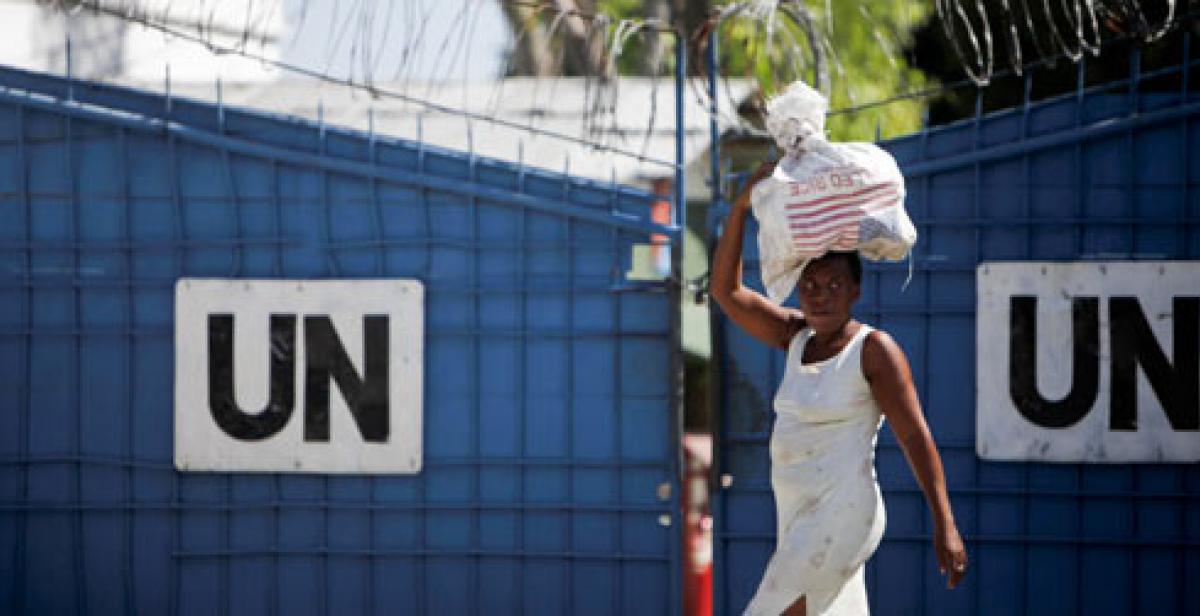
[827,291]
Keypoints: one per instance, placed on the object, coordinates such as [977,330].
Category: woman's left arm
[886,369]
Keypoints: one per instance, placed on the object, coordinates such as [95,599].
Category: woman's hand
[764,170]
[774,325]
[951,555]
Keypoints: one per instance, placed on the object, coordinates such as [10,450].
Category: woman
[842,378]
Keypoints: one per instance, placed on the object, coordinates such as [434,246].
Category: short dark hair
[853,261]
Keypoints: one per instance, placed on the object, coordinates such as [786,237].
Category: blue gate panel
[549,415]
[1098,175]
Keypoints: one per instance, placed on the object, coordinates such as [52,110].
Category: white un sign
[1089,361]
[319,376]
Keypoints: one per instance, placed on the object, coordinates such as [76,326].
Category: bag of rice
[824,196]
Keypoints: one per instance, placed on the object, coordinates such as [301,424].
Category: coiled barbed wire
[1066,28]
[1047,28]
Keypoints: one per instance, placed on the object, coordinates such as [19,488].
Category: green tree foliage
[862,47]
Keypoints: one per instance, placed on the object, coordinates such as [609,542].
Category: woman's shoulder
[881,352]
[877,340]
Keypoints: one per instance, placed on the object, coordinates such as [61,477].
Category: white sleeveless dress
[829,509]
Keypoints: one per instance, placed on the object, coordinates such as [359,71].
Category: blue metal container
[549,479]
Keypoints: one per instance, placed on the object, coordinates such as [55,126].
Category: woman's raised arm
[772,324]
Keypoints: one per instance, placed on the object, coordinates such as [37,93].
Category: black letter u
[1022,363]
[221,399]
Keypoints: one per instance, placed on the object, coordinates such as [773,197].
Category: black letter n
[366,397]
[1133,343]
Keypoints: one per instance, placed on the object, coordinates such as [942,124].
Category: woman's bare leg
[799,608]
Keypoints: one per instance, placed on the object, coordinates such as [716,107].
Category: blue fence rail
[551,448]
[1106,172]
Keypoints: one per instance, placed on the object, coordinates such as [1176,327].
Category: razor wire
[800,33]
[1065,28]
[205,33]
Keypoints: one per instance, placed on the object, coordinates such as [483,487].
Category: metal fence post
[676,308]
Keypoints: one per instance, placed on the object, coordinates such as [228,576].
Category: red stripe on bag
[822,239]
[827,198]
[831,212]
[845,243]
[808,226]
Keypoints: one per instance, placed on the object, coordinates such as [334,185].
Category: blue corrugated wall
[1105,173]
[549,421]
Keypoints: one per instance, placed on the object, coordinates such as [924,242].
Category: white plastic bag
[824,196]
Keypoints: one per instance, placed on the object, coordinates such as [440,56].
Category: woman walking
[841,379]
